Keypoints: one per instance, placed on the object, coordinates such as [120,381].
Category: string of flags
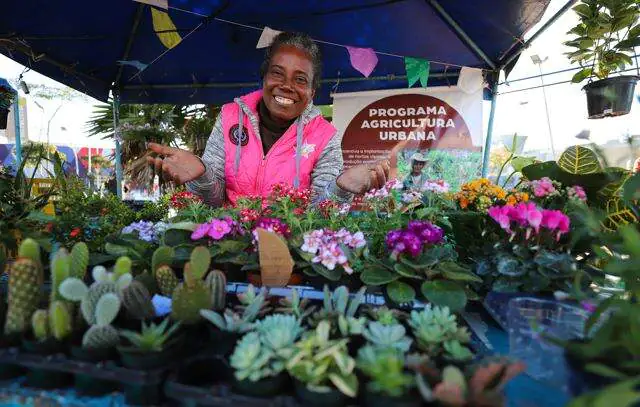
[364,60]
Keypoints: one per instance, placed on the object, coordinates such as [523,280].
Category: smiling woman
[271,136]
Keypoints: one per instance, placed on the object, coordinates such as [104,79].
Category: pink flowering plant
[532,250]
[551,194]
[419,258]
[227,239]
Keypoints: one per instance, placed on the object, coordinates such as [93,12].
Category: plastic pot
[43,378]
[89,385]
[132,358]
[267,387]
[375,399]
[333,398]
[611,96]
[10,371]
[4,116]
[221,342]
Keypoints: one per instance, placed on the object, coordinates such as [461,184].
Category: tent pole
[487,144]
[16,119]
[463,35]
[116,132]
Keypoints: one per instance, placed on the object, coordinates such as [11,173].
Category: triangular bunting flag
[470,80]
[364,60]
[136,64]
[165,29]
[266,38]
[158,3]
[417,70]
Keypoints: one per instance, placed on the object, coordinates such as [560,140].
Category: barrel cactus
[216,281]
[162,271]
[137,301]
[25,281]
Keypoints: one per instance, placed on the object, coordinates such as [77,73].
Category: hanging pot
[4,115]
[610,97]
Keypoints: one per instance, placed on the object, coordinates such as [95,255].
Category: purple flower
[412,244]
[589,306]
[201,231]
[218,229]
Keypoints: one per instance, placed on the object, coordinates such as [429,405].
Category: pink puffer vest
[248,172]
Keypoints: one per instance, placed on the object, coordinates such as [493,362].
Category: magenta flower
[534,216]
[218,229]
[543,187]
[588,306]
[502,215]
[576,192]
[200,232]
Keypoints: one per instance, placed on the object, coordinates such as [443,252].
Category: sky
[522,112]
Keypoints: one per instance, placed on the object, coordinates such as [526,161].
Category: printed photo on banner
[436,129]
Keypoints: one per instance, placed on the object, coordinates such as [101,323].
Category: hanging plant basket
[4,115]
[610,97]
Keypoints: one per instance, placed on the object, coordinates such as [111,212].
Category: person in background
[271,136]
[416,178]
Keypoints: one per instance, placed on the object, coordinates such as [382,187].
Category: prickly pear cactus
[60,320]
[189,298]
[167,280]
[100,337]
[137,301]
[25,280]
[216,281]
[122,267]
[200,261]
[90,300]
[40,324]
[60,270]
[79,260]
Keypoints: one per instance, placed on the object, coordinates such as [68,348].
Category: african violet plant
[529,256]
[419,256]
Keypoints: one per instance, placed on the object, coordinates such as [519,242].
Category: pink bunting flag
[364,60]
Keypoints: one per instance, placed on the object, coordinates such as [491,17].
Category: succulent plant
[301,308]
[200,261]
[216,281]
[102,335]
[137,301]
[163,256]
[433,327]
[483,386]
[122,267]
[349,326]
[60,320]
[278,333]
[231,321]
[79,260]
[454,350]
[387,336]
[385,367]
[25,281]
[338,304]
[251,296]
[152,338]
[386,316]
[189,298]
[40,324]
[321,363]
[252,360]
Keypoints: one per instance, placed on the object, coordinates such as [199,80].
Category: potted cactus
[259,358]
[165,277]
[606,36]
[388,384]
[322,369]
[192,295]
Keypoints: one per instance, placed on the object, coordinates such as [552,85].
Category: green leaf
[376,275]
[445,293]
[579,160]
[628,44]
[409,262]
[232,246]
[595,316]
[631,189]
[583,10]
[417,70]
[453,271]
[400,292]
[582,75]
[332,275]
[618,214]
[405,271]
[177,236]
[518,163]
[115,250]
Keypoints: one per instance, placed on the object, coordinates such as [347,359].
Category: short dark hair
[301,41]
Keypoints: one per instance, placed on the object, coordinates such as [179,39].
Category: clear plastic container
[529,321]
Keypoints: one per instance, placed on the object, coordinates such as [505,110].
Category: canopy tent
[79,43]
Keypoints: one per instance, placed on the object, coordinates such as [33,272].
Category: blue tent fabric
[79,43]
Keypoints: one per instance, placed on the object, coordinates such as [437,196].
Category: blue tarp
[79,42]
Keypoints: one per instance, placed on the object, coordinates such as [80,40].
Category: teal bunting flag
[417,70]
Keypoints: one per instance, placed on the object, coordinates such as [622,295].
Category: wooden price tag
[276,264]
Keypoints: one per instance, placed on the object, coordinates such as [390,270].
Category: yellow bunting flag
[165,29]
[276,264]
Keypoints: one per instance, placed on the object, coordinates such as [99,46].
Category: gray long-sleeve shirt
[211,185]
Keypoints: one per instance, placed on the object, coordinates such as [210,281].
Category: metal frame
[16,124]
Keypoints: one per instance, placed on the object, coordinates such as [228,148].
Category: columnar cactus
[161,266]
[60,271]
[60,320]
[137,301]
[216,281]
[40,324]
[79,260]
[189,298]
[25,280]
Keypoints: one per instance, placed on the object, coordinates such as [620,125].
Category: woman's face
[288,88]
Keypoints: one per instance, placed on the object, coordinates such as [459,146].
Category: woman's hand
[365,177]
[176,165]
